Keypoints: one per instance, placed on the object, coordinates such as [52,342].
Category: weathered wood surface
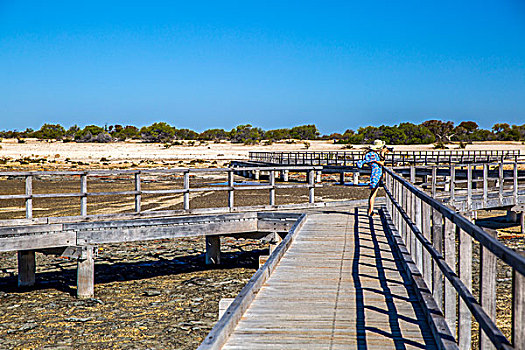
[339,286]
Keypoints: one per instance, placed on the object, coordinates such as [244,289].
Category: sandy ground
[225,151]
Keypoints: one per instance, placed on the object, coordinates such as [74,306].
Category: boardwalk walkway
[339,286]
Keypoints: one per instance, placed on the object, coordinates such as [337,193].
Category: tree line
[430,131]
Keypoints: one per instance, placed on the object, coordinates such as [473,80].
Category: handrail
[412,211]
[230,186]
[506,254]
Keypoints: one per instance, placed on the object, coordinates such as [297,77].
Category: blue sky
[274,64]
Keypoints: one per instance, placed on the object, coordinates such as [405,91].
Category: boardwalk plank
[338,287]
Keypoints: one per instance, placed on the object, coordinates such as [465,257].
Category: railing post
[487,289]
[452,184]
[450,259]
[434,181]
[231,201]
[465,274]
[437,242]
[418,247]
[501,182]
[311,185]
[137,195]
[515,183]
[272,190]
[425,229]
[186,195]
[469,187]
[485,184]
[412,174]
[410,213]
[29,199]
[83,191]
[518,309]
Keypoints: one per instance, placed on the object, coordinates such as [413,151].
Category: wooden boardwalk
[339,286]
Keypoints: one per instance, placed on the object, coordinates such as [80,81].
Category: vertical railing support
[469,187]
[487,289]
[138,196]
[231,190]
[29,199]
[465,274]
[83,191]
[311,183]
[437,242]
[485,184]
[518,309]
[186,195]
[450,258]
[515,182]
[501,182]
[272,190]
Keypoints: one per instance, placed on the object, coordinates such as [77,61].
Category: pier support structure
[213,250]
[86,273]
[26,268]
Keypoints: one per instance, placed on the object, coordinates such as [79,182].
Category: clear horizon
[338,65]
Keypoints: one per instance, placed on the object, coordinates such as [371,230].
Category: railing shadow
[389,309]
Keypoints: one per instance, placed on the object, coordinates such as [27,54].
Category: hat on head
[377,145]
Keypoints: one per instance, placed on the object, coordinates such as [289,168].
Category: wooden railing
[474,186]
[440,242]
[348,158]
[83,194]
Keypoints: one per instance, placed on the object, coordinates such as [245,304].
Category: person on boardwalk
[375,157]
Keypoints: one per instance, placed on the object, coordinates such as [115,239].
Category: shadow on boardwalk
[373,246]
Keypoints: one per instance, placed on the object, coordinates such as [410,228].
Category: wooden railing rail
[478,181]
[430,229]
[138,191]
[348,158]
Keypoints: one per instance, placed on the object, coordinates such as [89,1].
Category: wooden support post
[231,201]
[452,183]
[412,174]
[410,213]
[485,184]
[86,273]
[272,190]
[29,200]
[449,244]
[515,183]
[465,274]
[284,175]
[138,196]
[186,195]
[26,268]
[518,309]
[404,225]
[487,288]
[434,182]
[342,178]
[522,221]
[426,230]
[213,250]
[83,191]
[469,187]
[311,196]
[318,176]
[355,178]
[501,181]
[418,247]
